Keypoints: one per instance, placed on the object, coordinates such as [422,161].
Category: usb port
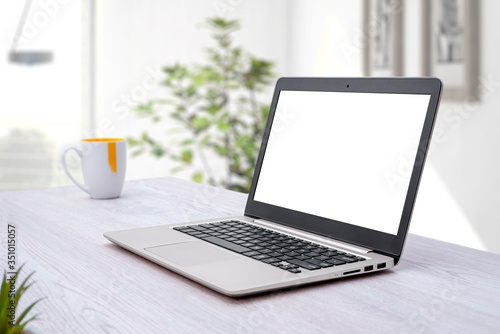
[368,268]
[381,266]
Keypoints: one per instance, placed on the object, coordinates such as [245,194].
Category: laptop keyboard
[271,247]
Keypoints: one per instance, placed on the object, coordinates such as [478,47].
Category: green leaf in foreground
[9,300]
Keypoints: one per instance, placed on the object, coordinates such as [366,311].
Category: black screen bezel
[378,241]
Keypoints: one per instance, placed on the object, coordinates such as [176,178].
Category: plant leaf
[187,156]
[200,123]
[25,312]
[197,177]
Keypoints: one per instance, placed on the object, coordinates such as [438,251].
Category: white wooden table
[93,286]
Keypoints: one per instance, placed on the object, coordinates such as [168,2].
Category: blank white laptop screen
[334,154]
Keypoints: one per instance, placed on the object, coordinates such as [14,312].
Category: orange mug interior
[105,140]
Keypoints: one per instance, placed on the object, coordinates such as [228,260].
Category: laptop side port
[368,268]
[352,271]
[381,266]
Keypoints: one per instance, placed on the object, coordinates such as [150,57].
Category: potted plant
[12,322]
[217,107]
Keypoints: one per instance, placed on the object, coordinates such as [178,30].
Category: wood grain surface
[93,286]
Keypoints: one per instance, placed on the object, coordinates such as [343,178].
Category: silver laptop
[332,194]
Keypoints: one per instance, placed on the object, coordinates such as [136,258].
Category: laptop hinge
[313,237]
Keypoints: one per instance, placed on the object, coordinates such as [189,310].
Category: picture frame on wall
[383,30]
[450,46]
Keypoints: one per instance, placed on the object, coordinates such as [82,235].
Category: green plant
[217,106]
[10,322]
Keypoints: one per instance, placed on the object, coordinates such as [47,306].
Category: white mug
[104,162]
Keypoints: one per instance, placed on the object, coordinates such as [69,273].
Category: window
[40,104]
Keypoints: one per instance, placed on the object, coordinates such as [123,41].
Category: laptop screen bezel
[378,241]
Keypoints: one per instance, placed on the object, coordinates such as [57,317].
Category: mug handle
[80,154]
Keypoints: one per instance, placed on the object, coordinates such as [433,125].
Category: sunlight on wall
[436,214]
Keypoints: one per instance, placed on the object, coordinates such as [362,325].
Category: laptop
[332,194]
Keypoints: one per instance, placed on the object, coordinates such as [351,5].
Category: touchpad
[191,253]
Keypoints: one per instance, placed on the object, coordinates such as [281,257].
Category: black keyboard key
[311,254]
[294,271]
[322,257]
[350,255]
[335,262]
[292,254]
[202,235]
[275,254]
[271,260]
[260,257]
[251,253]
[329,253]
[194,233]
[198,228]
[180,228]
[304,264]
[188,230]
[226,244]
[314,261]
[289,266]
[322,264]
[345,258]
[302,257]
[359,258]
[285,257]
